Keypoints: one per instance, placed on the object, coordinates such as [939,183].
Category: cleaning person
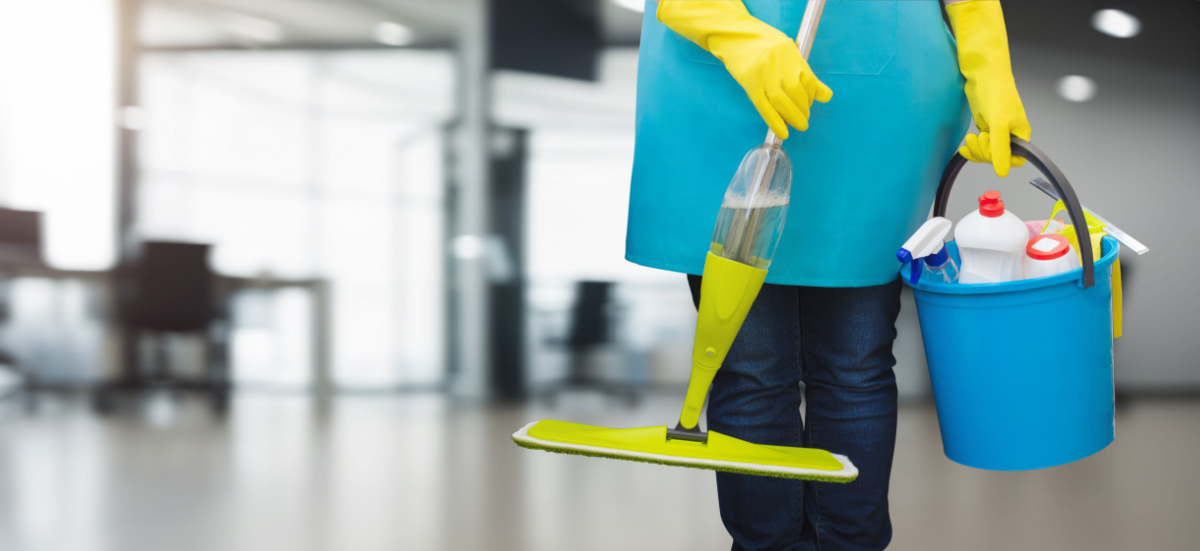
[753,211]
[884,90]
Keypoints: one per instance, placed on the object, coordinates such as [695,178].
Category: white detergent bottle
[991,243]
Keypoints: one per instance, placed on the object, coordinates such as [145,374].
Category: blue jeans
[838,342]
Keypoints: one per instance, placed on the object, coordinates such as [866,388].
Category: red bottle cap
[1047,247]
[990,204]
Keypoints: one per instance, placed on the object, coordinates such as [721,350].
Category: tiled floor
[415,473]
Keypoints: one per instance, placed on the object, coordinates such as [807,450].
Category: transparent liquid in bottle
[754,209]
[750,234]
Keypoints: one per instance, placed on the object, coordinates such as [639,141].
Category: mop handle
[804,41]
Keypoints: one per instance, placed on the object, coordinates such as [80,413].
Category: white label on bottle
[1045,245]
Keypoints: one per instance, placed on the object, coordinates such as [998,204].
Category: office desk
[227,288]
[322,375]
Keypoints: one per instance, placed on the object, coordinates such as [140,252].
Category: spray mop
[747,233]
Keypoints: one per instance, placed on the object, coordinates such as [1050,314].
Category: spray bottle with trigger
[927,255]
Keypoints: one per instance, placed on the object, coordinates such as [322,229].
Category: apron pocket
[691,50]
[854,37]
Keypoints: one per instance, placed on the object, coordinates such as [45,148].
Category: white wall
[57,66]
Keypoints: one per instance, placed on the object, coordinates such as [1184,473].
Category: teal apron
[865,172]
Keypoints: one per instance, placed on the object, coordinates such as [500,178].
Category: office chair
[20,237]
[169,288]
[20,245]
[591,330]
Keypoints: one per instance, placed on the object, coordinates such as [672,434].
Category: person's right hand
[764,61]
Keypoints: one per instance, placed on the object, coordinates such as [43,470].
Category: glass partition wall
[303,165]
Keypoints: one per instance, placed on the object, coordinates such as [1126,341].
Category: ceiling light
[1076,88]
[1116,23]
[393,34]
[635,5]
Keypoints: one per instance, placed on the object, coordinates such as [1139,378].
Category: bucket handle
[1051,171]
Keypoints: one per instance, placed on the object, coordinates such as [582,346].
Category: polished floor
[418,473]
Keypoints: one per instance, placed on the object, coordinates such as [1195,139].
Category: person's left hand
[991,90]
[982,148]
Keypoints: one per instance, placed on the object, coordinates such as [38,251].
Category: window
[310,164]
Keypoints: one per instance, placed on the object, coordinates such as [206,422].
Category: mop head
[720,453]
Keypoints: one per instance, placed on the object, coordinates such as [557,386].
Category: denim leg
[846,342]
[756,397]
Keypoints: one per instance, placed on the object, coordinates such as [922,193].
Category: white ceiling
[323,23]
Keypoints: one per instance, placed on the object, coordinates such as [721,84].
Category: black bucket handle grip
[1051,171]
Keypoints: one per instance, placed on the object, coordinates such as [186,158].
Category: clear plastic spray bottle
[754,209]
[927,253]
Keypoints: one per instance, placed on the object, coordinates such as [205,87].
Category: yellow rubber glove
[763,60]
[991,91]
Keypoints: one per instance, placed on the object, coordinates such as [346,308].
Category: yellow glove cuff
[698,21]
[763,60]
[991,90]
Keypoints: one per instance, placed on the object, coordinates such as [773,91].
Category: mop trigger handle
[1048,169]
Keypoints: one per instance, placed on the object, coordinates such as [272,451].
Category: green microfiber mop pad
[719,453]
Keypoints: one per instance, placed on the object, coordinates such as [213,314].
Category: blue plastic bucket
[1022,372]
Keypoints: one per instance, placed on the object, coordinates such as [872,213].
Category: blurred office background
[287,273]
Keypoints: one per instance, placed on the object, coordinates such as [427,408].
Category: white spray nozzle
[928,240]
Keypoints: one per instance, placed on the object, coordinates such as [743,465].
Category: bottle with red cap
[1049,254]
[991,243]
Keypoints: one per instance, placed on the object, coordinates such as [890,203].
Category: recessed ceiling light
[1116,23]
[1076,88]
[393,33]
[634,5]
